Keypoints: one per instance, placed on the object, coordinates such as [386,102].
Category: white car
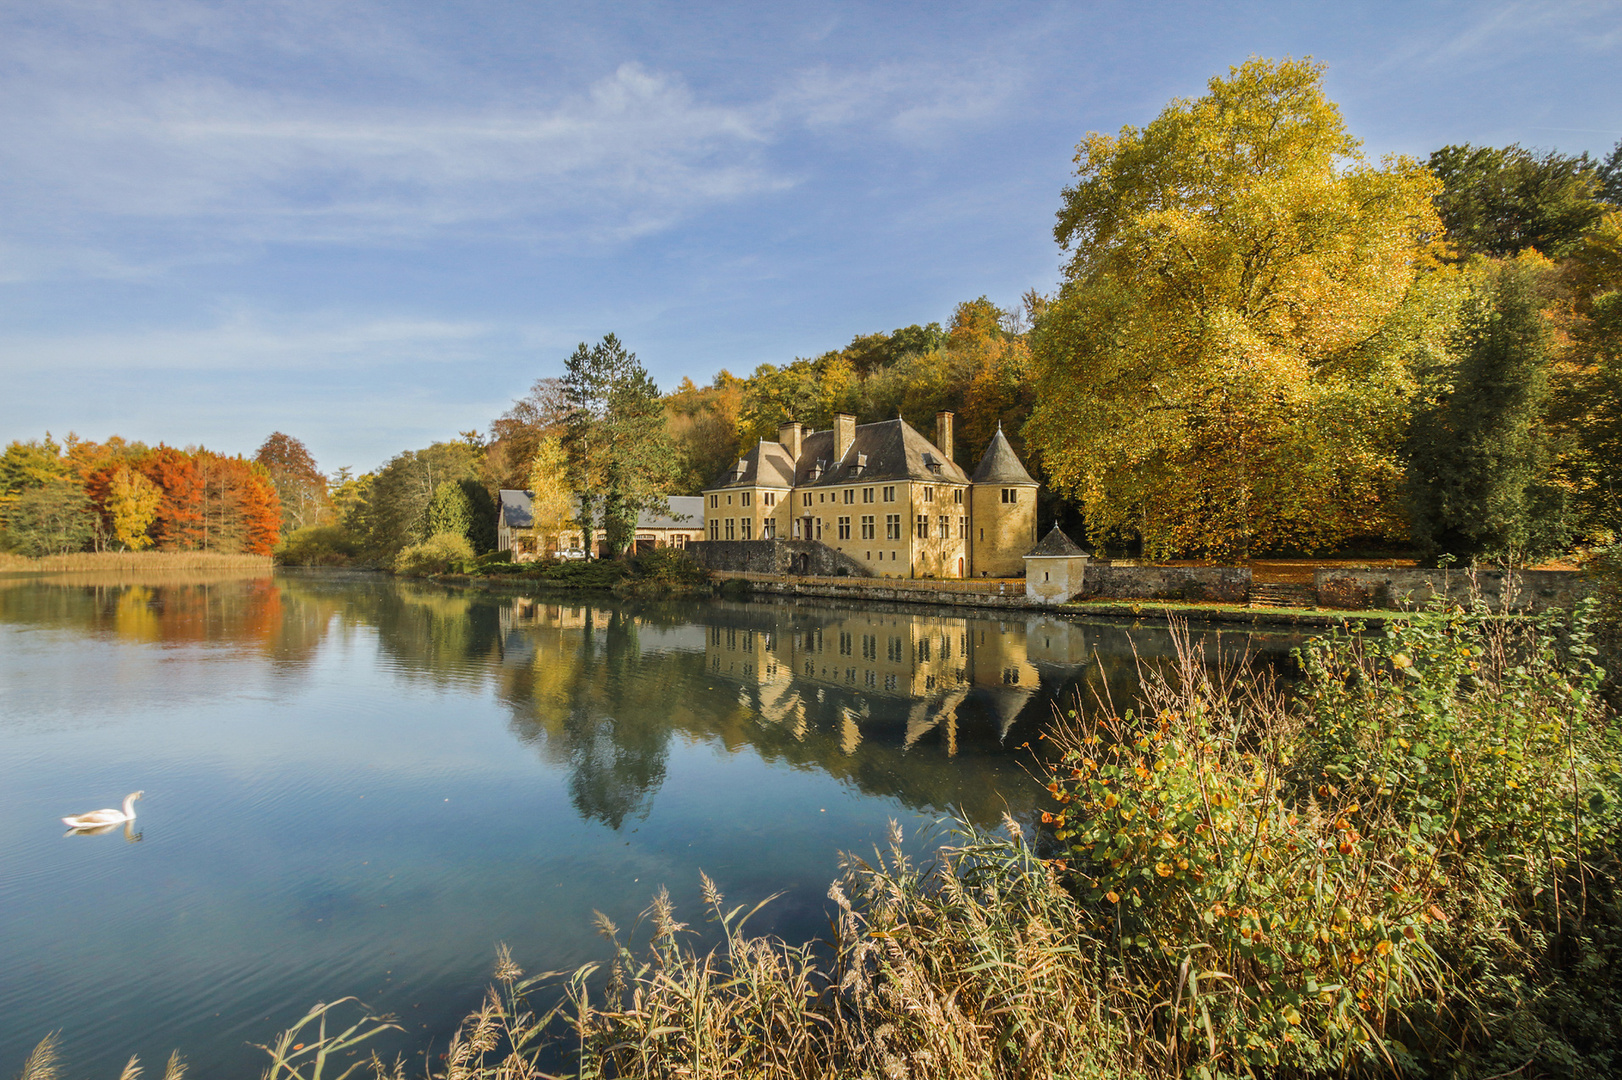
[571,555]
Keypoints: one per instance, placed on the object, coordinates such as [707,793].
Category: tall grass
[133,560]
[1406,868]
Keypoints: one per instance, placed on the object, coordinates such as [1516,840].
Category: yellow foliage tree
[551,502]
[1224,367]
[132,505]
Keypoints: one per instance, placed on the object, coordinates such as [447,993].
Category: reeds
[133,561]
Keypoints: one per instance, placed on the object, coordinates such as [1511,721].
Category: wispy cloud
[95,139]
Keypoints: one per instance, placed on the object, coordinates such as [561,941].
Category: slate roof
[686,512]
[1055,545]
[887,450]
[1000,465]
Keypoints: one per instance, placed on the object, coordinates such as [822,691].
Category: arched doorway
[960,566]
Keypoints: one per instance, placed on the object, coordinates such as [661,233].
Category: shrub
[1410,868]
[584,573]
[665,570]
[442,553]
[318,545]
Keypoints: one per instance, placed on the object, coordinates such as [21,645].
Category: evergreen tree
[1477,449]
[619,455]
[449,511]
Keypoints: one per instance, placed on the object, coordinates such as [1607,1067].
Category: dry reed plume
[133,561]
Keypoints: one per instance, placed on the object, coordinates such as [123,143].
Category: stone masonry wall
[799,557]
[1228,584]
[1528,590]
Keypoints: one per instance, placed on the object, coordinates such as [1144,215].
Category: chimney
[789,435]
[844,434]
[943,433]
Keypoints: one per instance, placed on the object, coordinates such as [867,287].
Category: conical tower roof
[1000,465]
[1055,545]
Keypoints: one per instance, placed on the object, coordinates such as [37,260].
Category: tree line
[1261,341]
[81,495]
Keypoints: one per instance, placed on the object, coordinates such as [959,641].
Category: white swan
[97,818]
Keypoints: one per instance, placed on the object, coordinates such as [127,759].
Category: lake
[360,786]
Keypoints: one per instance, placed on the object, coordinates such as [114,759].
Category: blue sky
[372,225]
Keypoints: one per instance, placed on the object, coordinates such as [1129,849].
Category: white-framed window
[768,529]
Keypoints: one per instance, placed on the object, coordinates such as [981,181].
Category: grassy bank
[162,561]
[1407,867]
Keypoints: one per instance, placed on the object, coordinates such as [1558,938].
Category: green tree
[391,512]
[52,518]
[27,465]
[1502,201]
[620,459]
[1478,448]
[449,511]
[1587,400]
[1218,369]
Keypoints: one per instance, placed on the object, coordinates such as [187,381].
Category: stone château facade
[883,495]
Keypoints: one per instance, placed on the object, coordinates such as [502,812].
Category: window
[770,499]
[715,500]
[850,674]
[943,527]
[850,495]
[819,528]
[982,534]
[845,643]
[679,540]
[844,528]
[1010,495]
[748,529]
[731,530]
[921,526]
[957,496]
[715,530]
[870,647]
[805,498]
[923,651]
[946,647]
[892,526]
[894,651]
[889,494]
[819,497]
[768,529]
[715,636]
[872,677]
[889,682]
[868,530]
[729,500]
[867,495]
[732,638]
[962,528]
[929,494]
[743,500]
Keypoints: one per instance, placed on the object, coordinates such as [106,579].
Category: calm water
[355,786]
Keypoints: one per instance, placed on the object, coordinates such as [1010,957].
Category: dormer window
[931,462]
[861,463]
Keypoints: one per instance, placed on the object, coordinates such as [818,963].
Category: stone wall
[1528,590]
[797,557]
[1227,584]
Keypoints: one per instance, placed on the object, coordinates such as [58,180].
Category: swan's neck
[129,806]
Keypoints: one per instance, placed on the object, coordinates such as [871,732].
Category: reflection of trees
[584,698]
